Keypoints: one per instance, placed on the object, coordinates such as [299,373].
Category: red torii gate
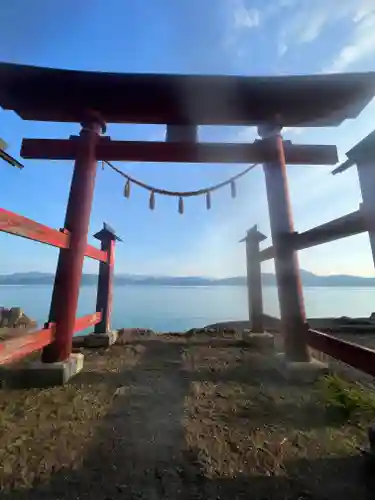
[182,103]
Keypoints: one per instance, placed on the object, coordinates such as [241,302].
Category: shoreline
[212,285]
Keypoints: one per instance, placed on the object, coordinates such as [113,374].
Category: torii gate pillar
[69,267]
[293,319]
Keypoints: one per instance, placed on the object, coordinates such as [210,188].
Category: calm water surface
[163,308]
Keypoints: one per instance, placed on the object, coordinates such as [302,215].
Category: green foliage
[347,399]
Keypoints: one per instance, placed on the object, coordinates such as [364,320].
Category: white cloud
[246,134]
[307,20]
[282,48]
[360,46]
[365,8]
[240,19]
[286,3]
[293,131]
[315,26]
[245,18]
[302,22]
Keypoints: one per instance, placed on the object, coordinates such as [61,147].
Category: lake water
[163,308]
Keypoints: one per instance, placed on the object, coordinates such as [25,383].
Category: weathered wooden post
[258,338]
[69,268]
[363,154]
[102,332]
[254,278]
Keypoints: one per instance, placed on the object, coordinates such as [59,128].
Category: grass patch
[346,400]
[43,431]
[202,420]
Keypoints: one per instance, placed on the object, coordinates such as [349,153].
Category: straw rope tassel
[233,189]
[152,200]
[181,205]
[127,189]
[208,200]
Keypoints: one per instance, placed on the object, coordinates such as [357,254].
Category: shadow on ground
[139,450]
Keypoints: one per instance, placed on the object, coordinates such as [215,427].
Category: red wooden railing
[21,343]
[360,357]
[27,228]
[357,356]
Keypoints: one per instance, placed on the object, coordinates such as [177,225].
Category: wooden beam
[364,150]
[27,228]
[96,254]
[9,159]
[21,343]
[87,321]
[18,225]
[355,355]
[342,167]
[267,254]
[60,95]
[257,152]
[348,225]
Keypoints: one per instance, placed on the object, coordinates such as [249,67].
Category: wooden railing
[348,225]
[21,343]
[18,343]
[357,356]
[27,228]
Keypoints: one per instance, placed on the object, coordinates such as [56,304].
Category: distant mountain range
[308,279]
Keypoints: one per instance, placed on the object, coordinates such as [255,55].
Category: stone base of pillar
[261,341]
[100,339]
[306,372]
[40,375]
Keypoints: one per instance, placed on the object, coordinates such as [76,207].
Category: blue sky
[277,37]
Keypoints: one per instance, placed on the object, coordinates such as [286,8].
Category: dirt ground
[168,418]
